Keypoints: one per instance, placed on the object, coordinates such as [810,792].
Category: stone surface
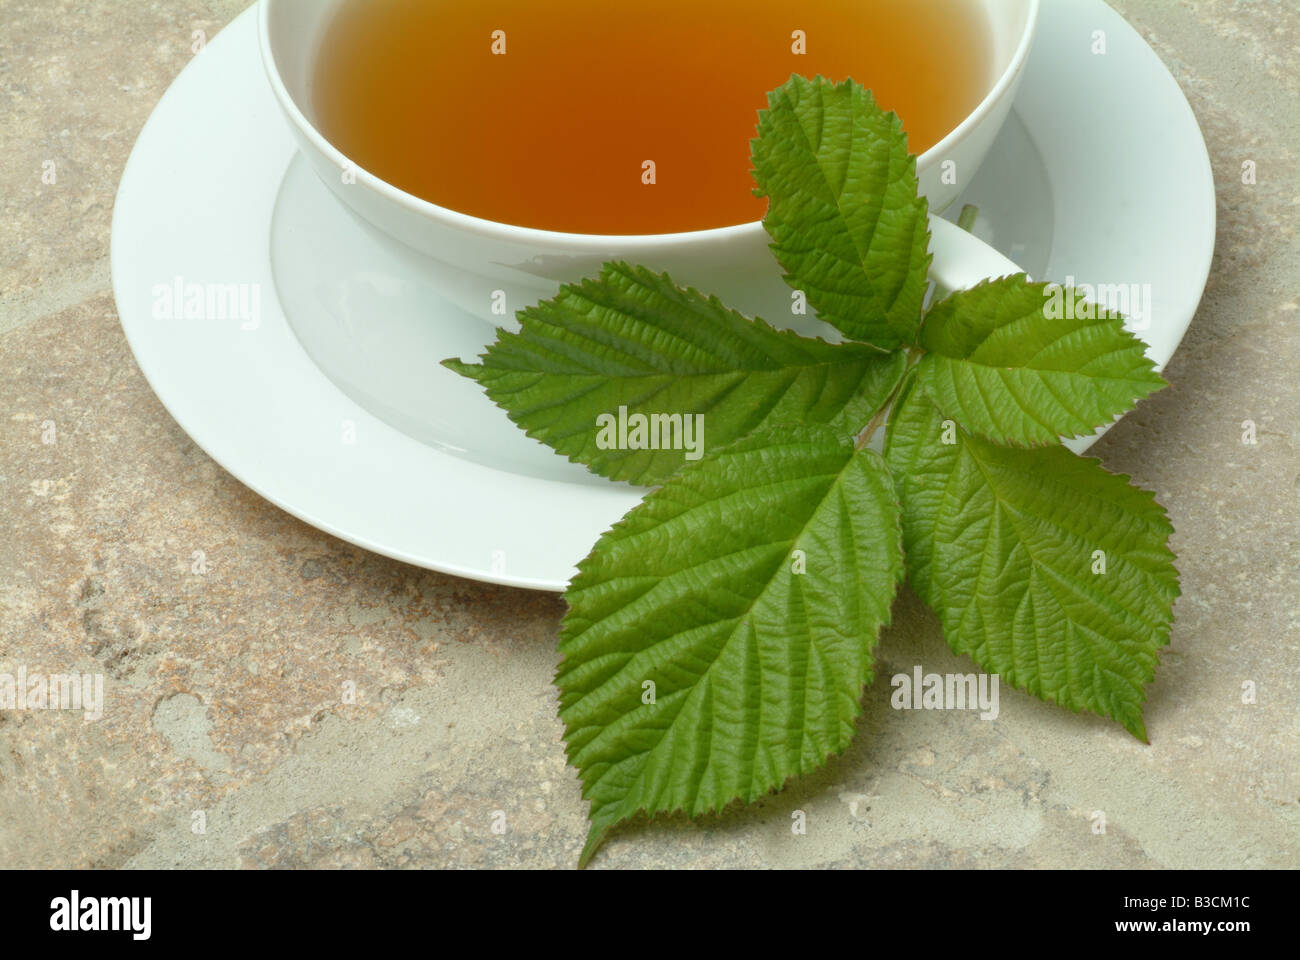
[229,635]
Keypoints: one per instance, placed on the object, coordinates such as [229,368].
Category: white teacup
[473,261]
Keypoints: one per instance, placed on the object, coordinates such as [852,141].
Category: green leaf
[757,669]
[1011,362]
[1003,544]
[844,214]
[632,339]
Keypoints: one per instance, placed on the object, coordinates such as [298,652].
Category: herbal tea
[619,118]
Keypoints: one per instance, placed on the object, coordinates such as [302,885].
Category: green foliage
[719,637]
[742,600]
[632,339]
[843,211]
[1042,567]
[1017,373]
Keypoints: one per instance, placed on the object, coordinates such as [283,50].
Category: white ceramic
[216,192]
[471,259]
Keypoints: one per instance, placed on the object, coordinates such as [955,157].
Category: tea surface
[555,132]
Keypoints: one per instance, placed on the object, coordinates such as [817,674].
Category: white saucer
[1100,174]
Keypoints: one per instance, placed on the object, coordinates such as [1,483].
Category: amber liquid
[555,133]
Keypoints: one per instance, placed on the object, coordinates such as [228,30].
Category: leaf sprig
[719,637]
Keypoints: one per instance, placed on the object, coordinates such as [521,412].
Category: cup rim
[537,236]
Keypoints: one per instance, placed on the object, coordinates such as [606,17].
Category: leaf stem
[881,419]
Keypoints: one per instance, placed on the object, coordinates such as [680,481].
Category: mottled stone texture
[225,687]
